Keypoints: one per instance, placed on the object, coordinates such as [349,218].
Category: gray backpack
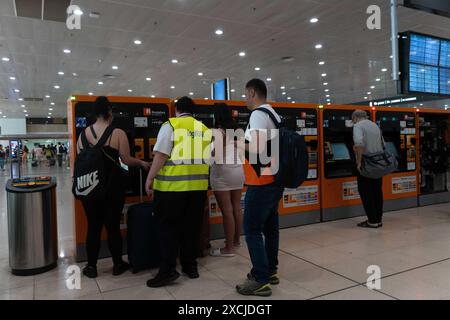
[379,164]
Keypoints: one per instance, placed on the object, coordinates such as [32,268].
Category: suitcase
[142,238]
[34,163]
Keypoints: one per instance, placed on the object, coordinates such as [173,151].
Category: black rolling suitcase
[142,238]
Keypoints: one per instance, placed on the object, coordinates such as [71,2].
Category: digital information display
[220,90]
[425,62]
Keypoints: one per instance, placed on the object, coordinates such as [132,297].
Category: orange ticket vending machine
[141,119]
[400,189]
[302,205]
[339,188]
[434,153]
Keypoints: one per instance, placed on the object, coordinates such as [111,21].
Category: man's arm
[159,160]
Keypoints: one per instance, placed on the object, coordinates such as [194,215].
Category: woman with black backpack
[106,209]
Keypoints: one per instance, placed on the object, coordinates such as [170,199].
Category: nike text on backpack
[293,156]
[90,179]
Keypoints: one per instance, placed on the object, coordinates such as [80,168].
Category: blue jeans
[261,218]
[2,163]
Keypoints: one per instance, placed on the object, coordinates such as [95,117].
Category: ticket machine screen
[340,151]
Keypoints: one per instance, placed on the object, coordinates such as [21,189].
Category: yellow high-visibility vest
[187,168]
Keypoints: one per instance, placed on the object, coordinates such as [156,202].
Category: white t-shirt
[259,120]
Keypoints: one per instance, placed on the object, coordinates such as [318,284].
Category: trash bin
[32,225]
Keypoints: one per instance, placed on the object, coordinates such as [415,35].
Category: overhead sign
[439,7]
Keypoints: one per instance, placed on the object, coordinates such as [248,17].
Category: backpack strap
[84,140]
[93,132]
[108,132]
[278,124]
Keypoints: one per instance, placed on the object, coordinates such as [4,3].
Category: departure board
[425,63]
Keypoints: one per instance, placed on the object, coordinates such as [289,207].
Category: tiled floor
[323,261]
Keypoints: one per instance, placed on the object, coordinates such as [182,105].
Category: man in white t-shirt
[262,196]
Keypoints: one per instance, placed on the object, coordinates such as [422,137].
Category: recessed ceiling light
[328,100]
[148,79]
[243,96]
[4,116]
[289,98]
[16,90]
[369,93]
[377,79]
[328,104]
[174,61]
[61,73]
[56,87]
[129,90]
[257,68]
[20,99]
[219,32]
[26,115]
[115,67]
[67,51]
[49,113]
[325,83]
[49,117]
[172,87]
[319,46]
[232,90]
[78,12]
[321,63]
[384,70]
[206,98]
[314,20]
[191,93]
[137,41]
[324,74]
[327,90]
[365,98]
[75,74]
[12,78]
[282,87]
[6,59]
[50,109]
[200,74]
[90,93]
[283,93]
[47,96]
[292,101]
[52,103]
[242,54]
[327,96]
[372,87]
[25,111]
[269,79]
[23,106]
[100,83]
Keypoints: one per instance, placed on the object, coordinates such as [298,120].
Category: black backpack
[294,160]
[90,178]
[61,149]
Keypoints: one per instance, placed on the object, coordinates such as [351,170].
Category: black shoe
[273,280]
[90,272]
[120,268]
[162,280]
[366,224]
[192,273]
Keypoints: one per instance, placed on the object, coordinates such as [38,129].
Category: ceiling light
[314,20]
[200,74]
[318,46]
[269,79]
[324,74]
[49,113]
[49,117]
[289,98]
[206,98]
[369,93]
[5,59]
[67,51]
[137,41]
[50,109]
[24,111]
[172,87]
[16,90]
[23,106]
[321,63]
[372,87]
[283,93]
[56,87]
[325,83]
[12,78]
[4,116]
[174,61]
[242,54]
[327,90]
[61,73]
[115,67]
[243,96]
[292,101]
[282,87]
[257,68]
[219,32]
[365,98]
[377,79]
[153,96]
[232,90]
[384,70]
[20,99]
[78,12]
[328,100]
[90,93]
[129,90]
[328,104]
[26,115]
[75,74]
[52,103]
[327,96]
[191,93]
[100,83]
[148,79]
[47,96]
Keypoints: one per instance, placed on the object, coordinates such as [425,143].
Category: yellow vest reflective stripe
[187,168]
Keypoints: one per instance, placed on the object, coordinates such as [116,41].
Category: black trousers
[104,213]
[371,192]
[180,218]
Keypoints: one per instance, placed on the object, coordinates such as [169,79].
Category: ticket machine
[434,154]
[339,189]
[400,135]
[141,119]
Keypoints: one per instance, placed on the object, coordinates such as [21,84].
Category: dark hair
[259,86]
[184,105]
[102,107]
[223,117]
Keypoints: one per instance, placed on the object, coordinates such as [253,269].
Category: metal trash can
[32,225]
